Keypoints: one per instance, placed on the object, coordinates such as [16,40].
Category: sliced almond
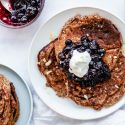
[48,63]
[44,60]
[86,97]
[38,63]
[116,86]
[48,72]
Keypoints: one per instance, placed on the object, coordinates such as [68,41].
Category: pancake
[9,105]
[95,27]
[108,37]
[102,95]
[47,54]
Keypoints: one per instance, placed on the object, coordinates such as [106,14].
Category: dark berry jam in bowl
[24,12]
[98,70]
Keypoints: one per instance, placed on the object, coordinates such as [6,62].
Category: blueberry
[81,49]
[91,63]
[85,78]
[69,76]
[64,64]
[66,61]
[33,3]
[93,71]
[77,79]
[92,46]
[38,1]
[99,64]
[68,42]
[29,7]
[24,19]
[34,9]
[61,55]
[13,13]
[18,5]
[69,55]
[99,74]
[62,58]
[22,11]
[94,42]
[14,19]
[20,15]
[95,66]
[83,38]
[96,58]
[85,43]
[89,50]
[73,76]
[67,50]
[31,10]
[101,52]
[78,45]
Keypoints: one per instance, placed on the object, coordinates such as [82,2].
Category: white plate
[23,93]
[65,106]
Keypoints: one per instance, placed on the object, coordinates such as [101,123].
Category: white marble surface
[14,45]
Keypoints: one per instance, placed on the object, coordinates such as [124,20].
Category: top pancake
[95,27]
[9,105]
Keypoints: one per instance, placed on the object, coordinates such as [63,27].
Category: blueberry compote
[23,11]
[98,70]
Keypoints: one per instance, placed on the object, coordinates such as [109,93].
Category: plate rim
[29,54]
[27,86]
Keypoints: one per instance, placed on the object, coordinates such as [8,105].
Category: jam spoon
[6,4]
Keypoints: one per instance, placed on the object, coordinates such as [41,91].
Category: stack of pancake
[9,104]
[108,37]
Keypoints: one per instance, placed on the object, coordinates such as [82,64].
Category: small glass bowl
[26,24]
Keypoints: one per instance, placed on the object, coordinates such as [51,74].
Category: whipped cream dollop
[79,63]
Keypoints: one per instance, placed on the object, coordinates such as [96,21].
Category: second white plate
[23,94]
